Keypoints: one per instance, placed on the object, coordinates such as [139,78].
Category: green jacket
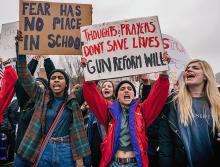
[29,147]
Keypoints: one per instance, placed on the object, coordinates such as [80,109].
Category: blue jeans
[115,164]
[21,162]
[58,155]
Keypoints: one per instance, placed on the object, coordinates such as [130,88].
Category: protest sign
[179,59]
[52,28]
[7,41]
[122,48]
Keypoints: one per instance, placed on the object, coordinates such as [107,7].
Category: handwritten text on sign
[122,48]
[52,28]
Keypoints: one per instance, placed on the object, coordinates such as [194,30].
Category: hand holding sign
[6,62]
[19,36]
[166,57]
[145,80]
[142,77]
[36,57]
[52,28]
[83,62]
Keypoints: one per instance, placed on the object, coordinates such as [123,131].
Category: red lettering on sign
[144,42]
[117,44]
[93,49]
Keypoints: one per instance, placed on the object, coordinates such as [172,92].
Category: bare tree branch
[72,66]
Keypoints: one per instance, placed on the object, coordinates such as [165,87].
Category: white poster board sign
[179,58]
[7,43]
[122,48]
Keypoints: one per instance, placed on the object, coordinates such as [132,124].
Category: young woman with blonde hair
[189,124]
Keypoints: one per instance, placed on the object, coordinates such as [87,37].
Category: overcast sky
[194,23]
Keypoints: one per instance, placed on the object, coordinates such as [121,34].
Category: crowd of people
[103,124]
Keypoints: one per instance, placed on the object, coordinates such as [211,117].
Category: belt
[125,160]
[64,139]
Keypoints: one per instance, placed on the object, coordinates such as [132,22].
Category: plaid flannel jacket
[29,147]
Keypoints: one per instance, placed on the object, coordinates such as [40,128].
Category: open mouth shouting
[57,87]
[194,74]
[125,94]
[57,83]
[190,76]
[127,97]
[106,92]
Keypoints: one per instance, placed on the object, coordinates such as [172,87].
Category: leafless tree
[72,66]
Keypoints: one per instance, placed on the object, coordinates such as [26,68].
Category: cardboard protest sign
[52,28]
[7,41]
[122,48]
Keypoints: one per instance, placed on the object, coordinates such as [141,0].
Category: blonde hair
[184,99]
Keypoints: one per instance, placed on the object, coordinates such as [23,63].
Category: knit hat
[66,76]
[43,81]
[121,83]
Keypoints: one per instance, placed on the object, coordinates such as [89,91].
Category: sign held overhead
[122,48]
[52,28]
[7,40]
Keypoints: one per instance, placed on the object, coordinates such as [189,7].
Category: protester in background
[68,141]
[6,127]
[190,122]
[7,130]
[144,87]
[152,130]
[107,89]
[6,95]
[7,91]
[125,120]
[86,161]
[96,131]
